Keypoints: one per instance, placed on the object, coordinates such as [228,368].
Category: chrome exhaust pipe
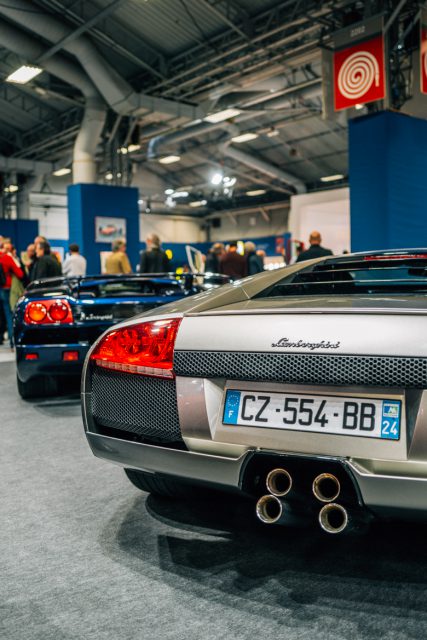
[326,487]
[269,509]
[333,518]
[279,482]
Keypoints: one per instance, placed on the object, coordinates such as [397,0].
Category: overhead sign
[359,73]
[423,53]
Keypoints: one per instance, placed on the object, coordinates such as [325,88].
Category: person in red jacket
[8,266]
[232,263]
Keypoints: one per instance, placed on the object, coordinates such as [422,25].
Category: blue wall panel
[388,184]
[22,232]
[86,202]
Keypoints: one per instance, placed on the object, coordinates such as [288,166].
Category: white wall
[251,225]
[324,211]
[52,213]
[170,228]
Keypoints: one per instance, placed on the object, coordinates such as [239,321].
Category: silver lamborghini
[303,388]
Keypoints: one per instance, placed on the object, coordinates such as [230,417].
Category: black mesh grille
[304,368]
[137,404]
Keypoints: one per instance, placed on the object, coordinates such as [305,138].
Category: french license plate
[367,417]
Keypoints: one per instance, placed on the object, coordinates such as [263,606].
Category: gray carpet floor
[83,554]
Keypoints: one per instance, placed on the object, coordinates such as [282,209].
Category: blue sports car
[58,319]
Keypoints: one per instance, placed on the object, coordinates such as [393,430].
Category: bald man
[315,250]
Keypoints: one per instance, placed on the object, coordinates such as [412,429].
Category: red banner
[359,74]
[423,59]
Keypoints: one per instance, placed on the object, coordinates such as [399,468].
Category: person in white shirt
[74,264]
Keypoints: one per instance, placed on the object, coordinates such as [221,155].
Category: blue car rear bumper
[50,360]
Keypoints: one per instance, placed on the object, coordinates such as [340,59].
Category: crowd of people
[40,262]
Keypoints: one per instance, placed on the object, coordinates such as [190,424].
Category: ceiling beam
[80,30]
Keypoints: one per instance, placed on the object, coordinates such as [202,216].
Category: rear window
[370,274]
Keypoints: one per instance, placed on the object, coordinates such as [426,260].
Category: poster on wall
[109,229]
[423,52]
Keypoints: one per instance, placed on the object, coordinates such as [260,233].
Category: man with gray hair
[118,262]
[315,250]
[154,259]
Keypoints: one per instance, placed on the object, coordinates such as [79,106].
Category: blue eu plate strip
[231,409]
[390,421]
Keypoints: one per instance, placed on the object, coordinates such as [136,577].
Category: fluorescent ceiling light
[169,192]
[134,147]
[229,182]
[198,203]
[11,188]
[24,74]
[109,175]
[216,178]
[169,159]
[273,133]
[256,192]
[244,137]
[336,176]
[180,194]
[62,172]
[219,116]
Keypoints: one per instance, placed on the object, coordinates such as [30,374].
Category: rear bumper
[50,360]
[383,494]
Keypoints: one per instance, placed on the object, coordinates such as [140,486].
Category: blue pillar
[96,213]
[388,182]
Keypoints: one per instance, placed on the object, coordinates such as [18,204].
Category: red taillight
[70,356]
[145,348]
[31,356]
[48,312]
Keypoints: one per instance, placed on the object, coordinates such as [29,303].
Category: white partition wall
[324,211]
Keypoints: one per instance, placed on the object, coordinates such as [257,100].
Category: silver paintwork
[391,476]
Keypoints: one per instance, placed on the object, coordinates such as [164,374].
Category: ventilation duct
[84,166]
[264,167]
[116,90]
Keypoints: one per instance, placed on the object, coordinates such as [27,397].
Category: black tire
[164,487]
[39,387]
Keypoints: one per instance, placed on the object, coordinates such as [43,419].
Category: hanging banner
[359,74]
[423,52]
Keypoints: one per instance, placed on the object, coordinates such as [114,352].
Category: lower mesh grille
[297,368]
[137,404]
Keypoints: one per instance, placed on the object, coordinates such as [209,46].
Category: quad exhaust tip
[279,482]
[269,509]
[326,487]
[333,518]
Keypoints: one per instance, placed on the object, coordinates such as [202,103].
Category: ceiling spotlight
[170,202]
[220,116]
[229,182]
[256,192]
[12,188]
[24,74]
[133,147]
[244,137]
[336,176]
[198,203]
[140,202]
[108,175]
[122,150]
[216,178]
[169,192]
[169,159]
[359,106]
[62,172]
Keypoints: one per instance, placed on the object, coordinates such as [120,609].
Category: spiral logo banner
[359,74]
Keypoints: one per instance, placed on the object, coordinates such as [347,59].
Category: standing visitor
[232,263]
[8,268]
[154,259]
[75,263]
[118,262]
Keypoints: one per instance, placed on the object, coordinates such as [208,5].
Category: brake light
[145,348]
[48,312]
[396,256]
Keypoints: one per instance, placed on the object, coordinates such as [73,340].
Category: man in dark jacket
[315,250]
[154,259]
[232,263]
[46,265]
[213,258]
[254,262]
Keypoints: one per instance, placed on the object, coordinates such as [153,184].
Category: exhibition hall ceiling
[167,67]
